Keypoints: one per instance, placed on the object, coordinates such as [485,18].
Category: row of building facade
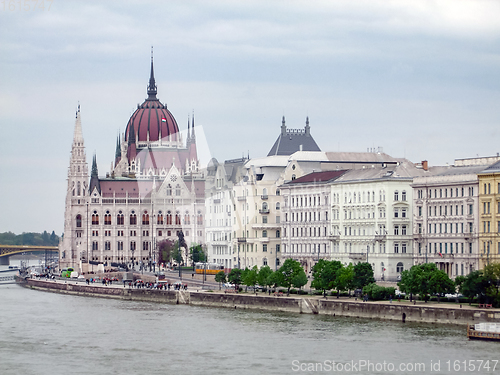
[297,202]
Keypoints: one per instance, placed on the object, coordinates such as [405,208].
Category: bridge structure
[7,250]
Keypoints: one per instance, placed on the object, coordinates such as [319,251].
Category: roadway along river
[46,333]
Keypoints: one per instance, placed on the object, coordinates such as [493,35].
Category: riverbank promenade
[195,295]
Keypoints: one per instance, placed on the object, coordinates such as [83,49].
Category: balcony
[380,237]
[334,237]
[357,256]
[242,198]
[264,197]
[242,240]
[216,201]
[264,211]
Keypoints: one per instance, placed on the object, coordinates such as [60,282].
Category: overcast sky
[419,78]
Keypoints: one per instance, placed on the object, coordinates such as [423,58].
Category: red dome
[152,120]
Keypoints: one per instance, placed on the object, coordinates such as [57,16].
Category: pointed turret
[307,128]
[118,152]
[283,127]
[152,84]
[94,177]
[131,150]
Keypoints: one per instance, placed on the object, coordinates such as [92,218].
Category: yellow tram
[208,268]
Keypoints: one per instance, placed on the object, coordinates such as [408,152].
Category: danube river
[48,333]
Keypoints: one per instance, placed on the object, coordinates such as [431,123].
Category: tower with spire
[73,244]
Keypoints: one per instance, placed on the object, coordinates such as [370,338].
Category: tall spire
[78,135]
[193,136]
[152,84]
[188,138]
[94,177]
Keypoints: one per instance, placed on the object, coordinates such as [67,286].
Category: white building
[446,217]
[219,207]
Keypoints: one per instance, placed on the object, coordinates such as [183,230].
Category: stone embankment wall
[333,307]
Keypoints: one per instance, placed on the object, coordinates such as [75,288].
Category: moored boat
[484,331]
[7,276]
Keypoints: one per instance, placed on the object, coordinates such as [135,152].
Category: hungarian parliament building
[297,202]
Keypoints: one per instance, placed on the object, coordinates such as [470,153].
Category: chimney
[425,165]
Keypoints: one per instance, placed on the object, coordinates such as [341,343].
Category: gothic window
[78,188]
[133,218]
[169,189]
[187,219]
[160,218]
[95,245]
[95,218]
[145,218]
[178,190]
[107,218]
[78,221]
[177,218]
[120,219]
[199,218]
[169,218]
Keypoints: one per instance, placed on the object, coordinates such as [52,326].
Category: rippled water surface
[47,333]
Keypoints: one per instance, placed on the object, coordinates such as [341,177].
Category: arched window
[78,188]
[187,219]
[178,190]
[169,218]
[278,205]
[120,219]
[264,206]
[169,189]
[78,221]
[133,218]
[145,218]
[95,218]
[107,218]
[160,218]
[199,218]
[399,267]
[177,218]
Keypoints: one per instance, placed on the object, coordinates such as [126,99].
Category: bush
[377,293]
[302,292]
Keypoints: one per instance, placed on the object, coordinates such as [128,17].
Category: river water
[48,333]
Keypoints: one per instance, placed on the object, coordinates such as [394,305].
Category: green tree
[325,275]
[234,277]
[288,272]
[249,277]
[346,278]
[263,277]
[491,274]
[440,283]
[220,277]
[197,254]
[363,275]
[300,279]
[177,253]
[410,281]
[472,285]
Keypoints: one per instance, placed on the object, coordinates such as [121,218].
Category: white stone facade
[446,220]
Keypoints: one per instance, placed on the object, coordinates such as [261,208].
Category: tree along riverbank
[389,310]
